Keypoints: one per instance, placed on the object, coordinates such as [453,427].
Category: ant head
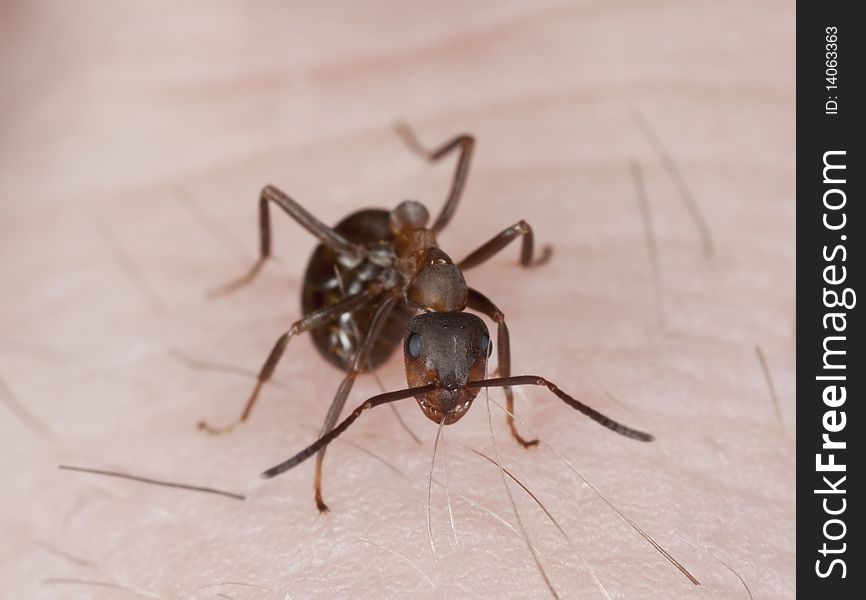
[408,216]
[447,350]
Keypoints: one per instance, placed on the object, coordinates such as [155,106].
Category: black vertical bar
[830,336]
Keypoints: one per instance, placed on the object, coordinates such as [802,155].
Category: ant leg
[358,363]
[481,303]
[356,339]
[501,240]
[465,143]
[315,319]
[326,235]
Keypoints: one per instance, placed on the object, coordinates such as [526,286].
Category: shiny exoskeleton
[379,277]
[328,280]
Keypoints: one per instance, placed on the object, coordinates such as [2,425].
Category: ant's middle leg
[465,143]
[359,362]
[501,240]
[325,235]
[481,303]
[315,319]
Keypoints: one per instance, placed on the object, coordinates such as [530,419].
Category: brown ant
[370,275]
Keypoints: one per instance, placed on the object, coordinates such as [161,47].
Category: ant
[379,277]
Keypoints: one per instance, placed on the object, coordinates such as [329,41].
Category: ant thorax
[438,284]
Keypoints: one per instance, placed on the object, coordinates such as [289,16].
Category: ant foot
[546,253]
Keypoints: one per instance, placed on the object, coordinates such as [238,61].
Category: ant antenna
[336,431]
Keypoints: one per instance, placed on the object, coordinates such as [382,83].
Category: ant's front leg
[325,235]
[481,303]
[359,361]
[315,319]
[501,240]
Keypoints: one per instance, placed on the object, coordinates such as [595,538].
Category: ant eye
[486,346]
[414,345]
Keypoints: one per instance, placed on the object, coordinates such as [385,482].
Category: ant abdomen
[328,280]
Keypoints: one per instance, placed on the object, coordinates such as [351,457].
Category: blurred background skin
[134,139]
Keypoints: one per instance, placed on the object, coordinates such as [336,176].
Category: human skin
[135,141]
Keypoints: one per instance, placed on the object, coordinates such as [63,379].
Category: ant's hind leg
[501,240]
[465,143]
[481,303]
[325,235]
[315,319]
[358,363]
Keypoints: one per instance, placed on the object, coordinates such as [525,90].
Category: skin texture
[135,141]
